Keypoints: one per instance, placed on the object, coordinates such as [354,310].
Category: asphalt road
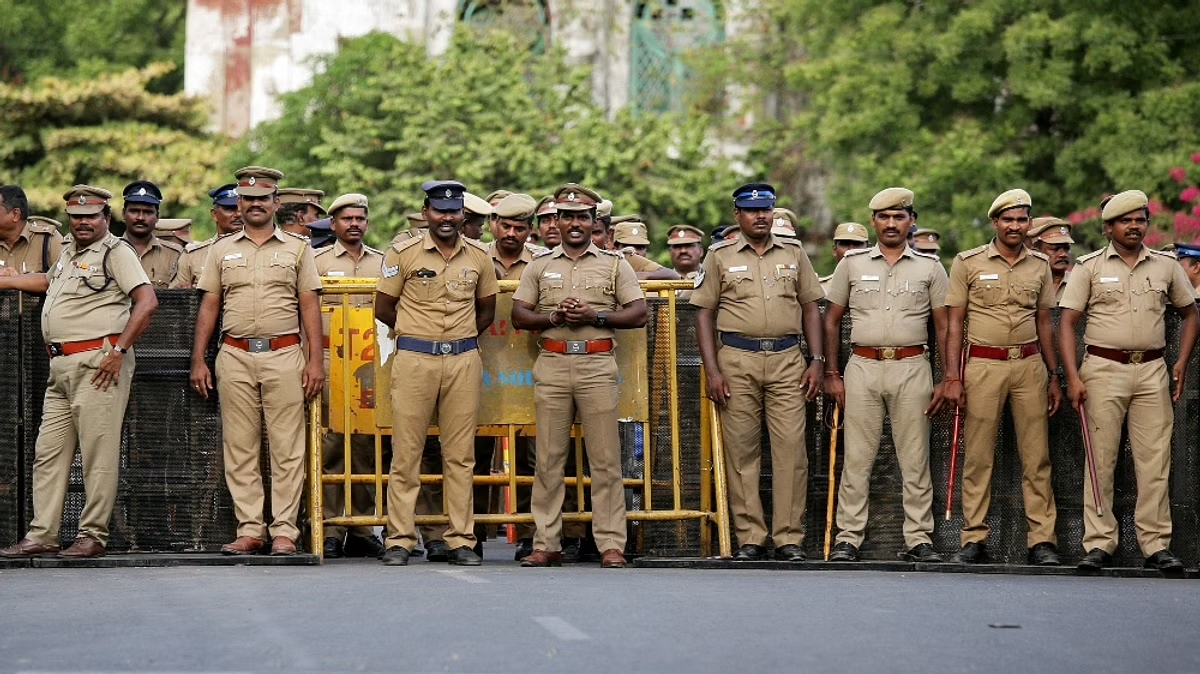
[359,616]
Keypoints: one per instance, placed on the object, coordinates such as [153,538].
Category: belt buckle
[258,345]
[55,350]
[576,346]
[888,353]
[444,348]
[1136,357]
[766,345]
[1014,353]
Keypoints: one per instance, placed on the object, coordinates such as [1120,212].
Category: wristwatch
[819,358]
[120,349]
[601,319]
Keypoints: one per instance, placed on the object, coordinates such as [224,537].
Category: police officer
[578,295]
[847,237]
[1189,258]
[89,328]
[263,284]
[631,238]
[439,293]
[1124,289]
[26,245]
[1051,237]
[175,230]
[227,218]
[928,240]
[686,245]
[476,212]
[320,233]
[160,258]
[1004,293]
[348,257]
[545,215]
[416,228]
[755,295]
[891,292]
[496,196]
[298,207]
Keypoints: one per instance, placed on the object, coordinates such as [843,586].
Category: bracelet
[833,373]
[950,379]
[552,323]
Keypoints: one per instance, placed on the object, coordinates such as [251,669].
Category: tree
[381,118]
[108,131]
[961,101]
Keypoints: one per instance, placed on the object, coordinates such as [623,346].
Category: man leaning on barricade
[98,302]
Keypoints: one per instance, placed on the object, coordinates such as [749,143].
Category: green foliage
[80,39]
[960,101]
[108,131]
[381,118]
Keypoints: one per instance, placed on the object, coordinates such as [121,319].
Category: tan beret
[352,199]
[86,200]
[684,234]
[1010,199]
[495,197]
[631,233]
[852,231]
[575,197]
[474,205]
[516,206]
[257,181]
[1050,229]
[1125,202]
[545,206]
[171,224]
[892,197]
[604,208]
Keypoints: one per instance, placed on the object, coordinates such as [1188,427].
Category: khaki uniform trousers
[255,387]
[765,382]
[75,411]
[429,499]
[563,384]
[362,496]
[526,464]
[988,383]
[1139,395]
[452,385]
[901,389]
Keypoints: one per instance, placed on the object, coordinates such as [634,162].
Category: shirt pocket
[280,271]
[551,292]
[1025,293]
[426,289]
[741,284]
[1108,294]
[461,288]
[235,273]
[866,293]
[990,292]
[914,295]
[785,282]
[598,285]
[1152,296]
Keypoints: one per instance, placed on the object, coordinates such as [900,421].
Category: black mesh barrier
[12,410]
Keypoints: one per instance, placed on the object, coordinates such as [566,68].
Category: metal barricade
[650,412]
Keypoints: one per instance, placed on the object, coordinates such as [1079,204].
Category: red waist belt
[1125,356]
[888,352]
[71,348]
[254,345]
[1004,352]
[577,346]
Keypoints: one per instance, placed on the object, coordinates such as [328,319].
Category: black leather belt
[437,348]
[758,343]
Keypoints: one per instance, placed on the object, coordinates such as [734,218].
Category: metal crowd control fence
[667,464]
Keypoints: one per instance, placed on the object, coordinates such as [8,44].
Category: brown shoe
[83,547]
[542,558]
[244,545]
[282,546]
[27,548]
[612,559]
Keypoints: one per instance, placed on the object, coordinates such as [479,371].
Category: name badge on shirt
[233,256]
[552,274]
[989,277]
[335,273]
[740,267]
[1109,279]
[870,277]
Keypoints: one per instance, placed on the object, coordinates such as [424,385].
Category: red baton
[958,415]
[1091,458]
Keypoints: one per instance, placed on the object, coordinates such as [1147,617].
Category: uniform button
[887,308]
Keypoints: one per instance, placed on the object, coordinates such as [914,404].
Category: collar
[276,234]
[559,251]
[525,256]
[429,243]
[994,251]
[1111,250]
[743,242]
[96,245]
[875,251]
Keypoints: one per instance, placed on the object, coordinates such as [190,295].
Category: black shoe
[570,550]
[1094,560]
[478,549]
[436,551]
[363,546]
[524,549]
[972,553]
[750,553]
[790,553]
[923,553]
[1044,554]
[464,556]
[332,548]
[844,552]
[588,552]
[396,556]
[1164,561]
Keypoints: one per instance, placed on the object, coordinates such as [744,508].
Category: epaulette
[860,251]
[1094,253]
[365,247]
[401,245]
[475,242]
[303,238]
[614,253]
[171,245]
[823,279]
[321,251]
[199,245]
[1040,255]
[974,251]
[722,244]
[1164,253]
[535,249]
[42,227]
[931,256]
[543,252]
[790,240]
[114,241]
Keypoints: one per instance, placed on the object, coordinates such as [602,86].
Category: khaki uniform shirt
[407,235]
[35,241]
[437,296]
[889,305]
[260,285]
[160,260]
[1001,301]
[191,263]
[757,296]
[641,264]
[1061,288]
[337,262]
[824,281]
[512,273]
[1125,306]
[88,296]
[602,279]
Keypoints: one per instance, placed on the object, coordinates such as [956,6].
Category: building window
[664,31]
[520,17]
